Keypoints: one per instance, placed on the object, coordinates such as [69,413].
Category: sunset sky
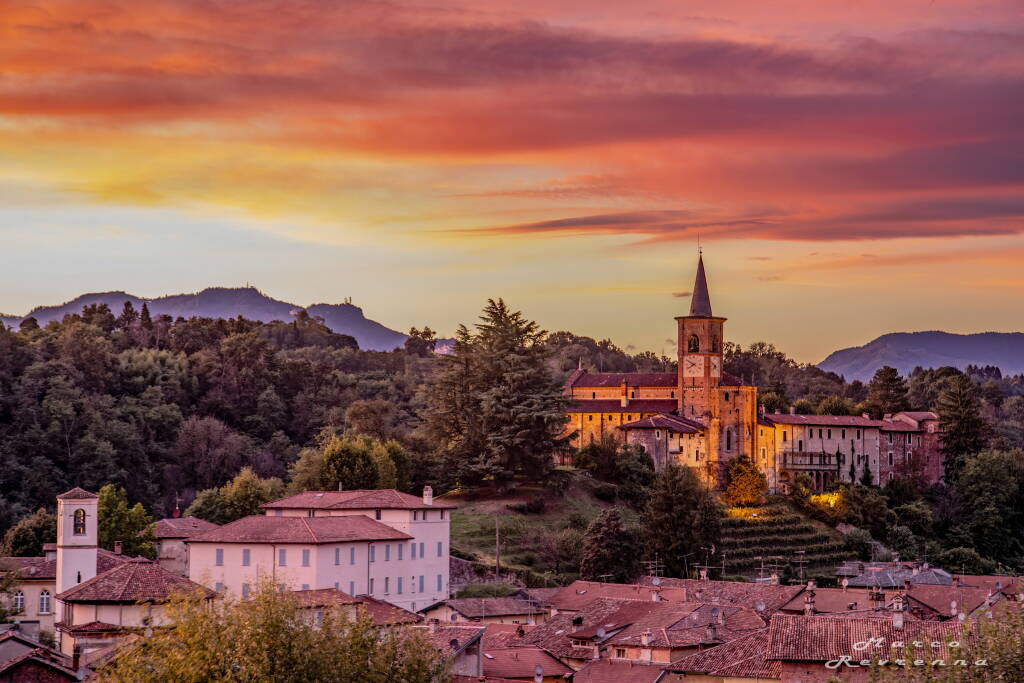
[852,167]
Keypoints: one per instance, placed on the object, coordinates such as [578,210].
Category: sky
[850,167]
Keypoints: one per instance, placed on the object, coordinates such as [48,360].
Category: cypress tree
[611,550]
[887,392]
[964,430]
[683,518]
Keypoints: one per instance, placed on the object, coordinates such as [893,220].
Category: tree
[420,343]
[628,466]
[495,408]
[990,492]
[27,537]
[132,526]
[374,418]
[349,462]
[240,497]
[745,483]
[209,505]
[835,405]
[682,519]
[887,392]
[611,550]
[270,638]
[964,430]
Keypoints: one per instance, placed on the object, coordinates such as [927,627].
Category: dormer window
[79,524]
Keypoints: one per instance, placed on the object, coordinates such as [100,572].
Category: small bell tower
[77,539]
[700,354]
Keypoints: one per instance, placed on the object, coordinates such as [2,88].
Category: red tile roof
[477,608]
[636,405]
[323,597]
[91,627]
[1008,585]
[42,657]
[41,569]
[181,527]
[672,423]
[306,530]
[679,625]
[821,639]
[605,380]
[76,494]
[743,657]
[939,599]
[384,613]
[825,420]
[740,593]
[520,662]
[919,415]
[554,634]
[579,594]
[606,671]
[365,499]
[451,640]
[137,580]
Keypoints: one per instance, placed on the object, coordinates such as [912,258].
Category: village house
[382,543]
[508,610]
[171,534]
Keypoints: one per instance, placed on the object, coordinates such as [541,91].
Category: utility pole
[497,550]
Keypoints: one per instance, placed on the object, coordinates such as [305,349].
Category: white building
[383,543]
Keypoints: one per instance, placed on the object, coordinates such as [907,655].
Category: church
[702,417]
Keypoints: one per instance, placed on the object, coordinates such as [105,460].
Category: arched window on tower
[693,344]
[79,527]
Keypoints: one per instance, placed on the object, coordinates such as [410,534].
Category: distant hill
[907,350]
[223,302]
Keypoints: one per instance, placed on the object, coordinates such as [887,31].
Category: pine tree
[682,519]
[132,526]
[611,550]
[496,409]
[745,483]
[964,430]
[887,392]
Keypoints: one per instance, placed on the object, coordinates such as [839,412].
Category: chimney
[428,495]
[865,416]
[792,410]
[897,621]
[887,417]
[655,594]
[811,584]
[712,634]
[956,581]
[645,638]
[906,584]
[809,603]
[703,574]
[177,512]
[775,579]
[118,547]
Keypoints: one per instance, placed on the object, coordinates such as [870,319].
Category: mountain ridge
[229,302]
[929,349]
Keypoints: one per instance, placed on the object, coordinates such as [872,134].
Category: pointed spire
[700,302]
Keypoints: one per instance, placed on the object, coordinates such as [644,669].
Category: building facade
[703,417]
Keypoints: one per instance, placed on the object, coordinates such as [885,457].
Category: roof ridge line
[312,533]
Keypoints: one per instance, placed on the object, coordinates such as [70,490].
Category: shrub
[606,492]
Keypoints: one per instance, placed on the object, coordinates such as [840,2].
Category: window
[714,344]
[371,586]
[440,548]
[351,587]
[79,525]
[909,437]
[842,434]
[311,513]
[590,418]
[387,585]
[415,515]
[387,552]
[728,439]
[352,555]
[421,583]
[19,602]
[399,585]
[245,591]
[657,434]
[632,394]
[423,553]
[412,550]
[800,445]
[727,396]
[673,394]
[376,513]
[399,547]
[282,557]
[278,513]
[785,436]
[439,579]
[246,557]
[442,514]
[373,553]
[220,557]
[858,433]
[219,587]
[305,586]
[693,344]
[337,556]
[890,459]
[890,437]
[305,558]
[830,433]
[764,453]
[593,394]
[620,652]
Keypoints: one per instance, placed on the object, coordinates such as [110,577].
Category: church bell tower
[700,354]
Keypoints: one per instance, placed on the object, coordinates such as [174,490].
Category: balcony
[811,461]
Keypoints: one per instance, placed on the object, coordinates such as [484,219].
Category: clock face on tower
[693,366]
[716,366]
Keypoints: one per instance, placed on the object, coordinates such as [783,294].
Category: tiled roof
[365,499]
[541,596]
[743,657]
[554,634]
[740,593]
[1003,584]
[91,627]
[898,426]
[476,608]
[730,380]
[76,494]
[821,639]
[323,597]
[579,594]
[483,679]
[307,530]
[825,420]
[41,569]
[451,640]
[896,577]
[384,613]
[939,599]
[598,380]
[832,600]
[607,671]
[42,656]
[677,625]
[609,405]
[499,636]
[137,580]
[919,415]
[519,662]
[181,527]
[673,423]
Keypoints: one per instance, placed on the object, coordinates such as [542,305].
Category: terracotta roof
[730,380]
[476,608]
[826,420]
[483,679]
[181,527]
[76,494]
[367,499]
[939,599]
[896,577]
[678,625]
[1004,584]
[519,662]
[607,671]
[384,613]
[821,639]
[918,415]
[137,580]
[636,405]
[41,569]
[91,627]
[307,530]
[42,656]
[672,423]
[579,594]
[541,596]
[832,600]
[451,640]
[740,593]
[598,380]
[499,636]
[323,597]
[554,634]
[743,657]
